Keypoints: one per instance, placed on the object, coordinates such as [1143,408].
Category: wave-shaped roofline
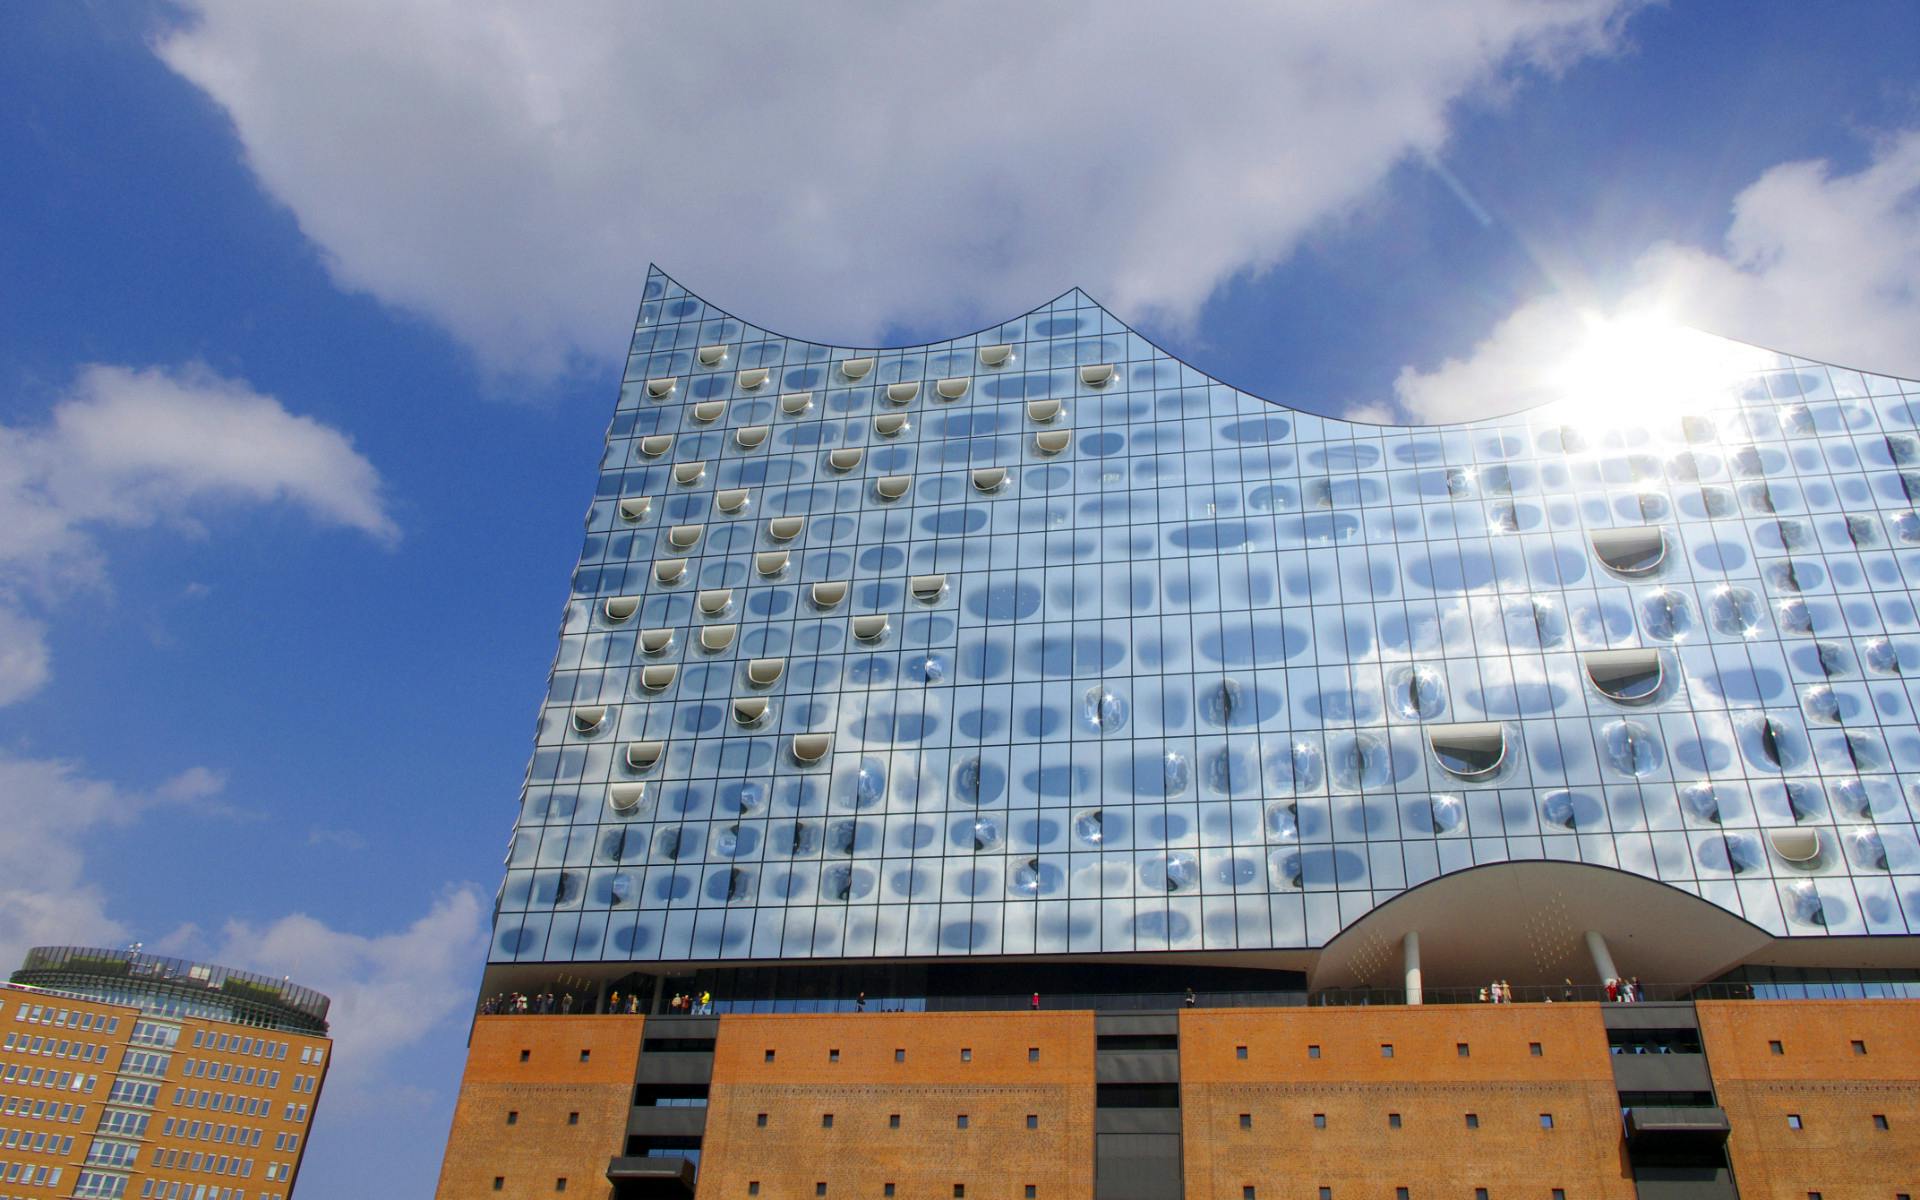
[1795,360]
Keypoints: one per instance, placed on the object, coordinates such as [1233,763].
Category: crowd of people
[516,1003]
[1625,991]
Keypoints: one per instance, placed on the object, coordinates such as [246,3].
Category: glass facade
[1040,641]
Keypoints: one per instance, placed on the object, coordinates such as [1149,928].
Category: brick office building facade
[899,685]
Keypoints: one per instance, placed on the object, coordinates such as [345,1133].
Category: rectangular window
[753,1187]
[584,1056]
[1473,1120]
[833,1056]
[899,1054]
[1033,1120]
[1399,1193]
[820,1189]
[513,1118]
[573,1118]
[1033,1054]
[1319,1120]
[1859,1047]
[499,1181]
[560,1184]
[1546,1120]
[1313,1052]
[893,1120]
[1386,1049]
[760,1119]
[1793,1120]
[1460,1048]
[1559,1194]
[1393,1120]
[959,1191]
[1246,1120]
[960,1122]
[1776,1048]
[525,1054]
[966,1055]
[1239,1051]
[1326,1193]
[826,1120]
[1533,1048]
[886,1189]
[1479,1194]
[769,1058]
[1032,1191]
[1246,1192]
[1879,1120]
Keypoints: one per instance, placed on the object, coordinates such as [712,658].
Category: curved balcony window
[827,595]
[996,356]
[785,529]
[715,601]
[688,473]
[811,747]
[753,379]
[770,563]
[656,445]
[1469,751]
[710,411]
[902,393]
[642,756]
[670,571]
[1633,550]
[1625,676]
[656,641]
[749,710]
[951,389]
[989,479]
[620,608]
[658,678]
[892,487]
[717,637]
[660,389]
[870,628]
[1096,374]
[1052,441]
[765,672]
[685,537]
[635,508]
[795,403]
[749,437]
[1042,412]
[711,356]
[889,424]
[1797,846]
[856,368]
[586,720]
[927,588]
[845,459]
[732,500]
[625,798]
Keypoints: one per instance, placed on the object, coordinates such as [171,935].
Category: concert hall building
[1066,776]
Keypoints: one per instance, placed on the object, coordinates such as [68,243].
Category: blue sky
[310,322]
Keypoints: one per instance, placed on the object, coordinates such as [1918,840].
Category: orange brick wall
[541,1147]
[1835,1091]
[996,1156]
[1426,1081]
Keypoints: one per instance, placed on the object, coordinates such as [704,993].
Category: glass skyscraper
[1040,641]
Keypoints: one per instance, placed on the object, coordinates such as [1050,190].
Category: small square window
[833,1056]
[560,1184]
[585,1055]
[966,1055]
[819,1189]
[760,1119]
[959,1191]
[1533,1048]
[1399,1193]
[513,1118]
[886,1189]
[1246,1120]
[1479,1194]
[1326,1193]
[1033,1120]
[1239,1051]
[573,1118]
[1546,1120]
[1473,1120]
[499,1182]
[1793,1120]
[826,1120]
[1033,1054]
[1559,1194]
[1879,1120]
[1032,1191]
[1860,1047]
[1461,1049]
[1246,1191]
[1313,1052]
[1776,1048]
[525,1055]
[899,1054]
[769,1057]
[960,1122]
[1393,1120]
[1319,1120]
[753,1187]
[1386,1049]
[893,1120]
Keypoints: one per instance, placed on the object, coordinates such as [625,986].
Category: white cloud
[508,170]
[129,448]
[1814,262]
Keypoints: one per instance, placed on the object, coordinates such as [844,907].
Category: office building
[125,1074]
[904,692]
